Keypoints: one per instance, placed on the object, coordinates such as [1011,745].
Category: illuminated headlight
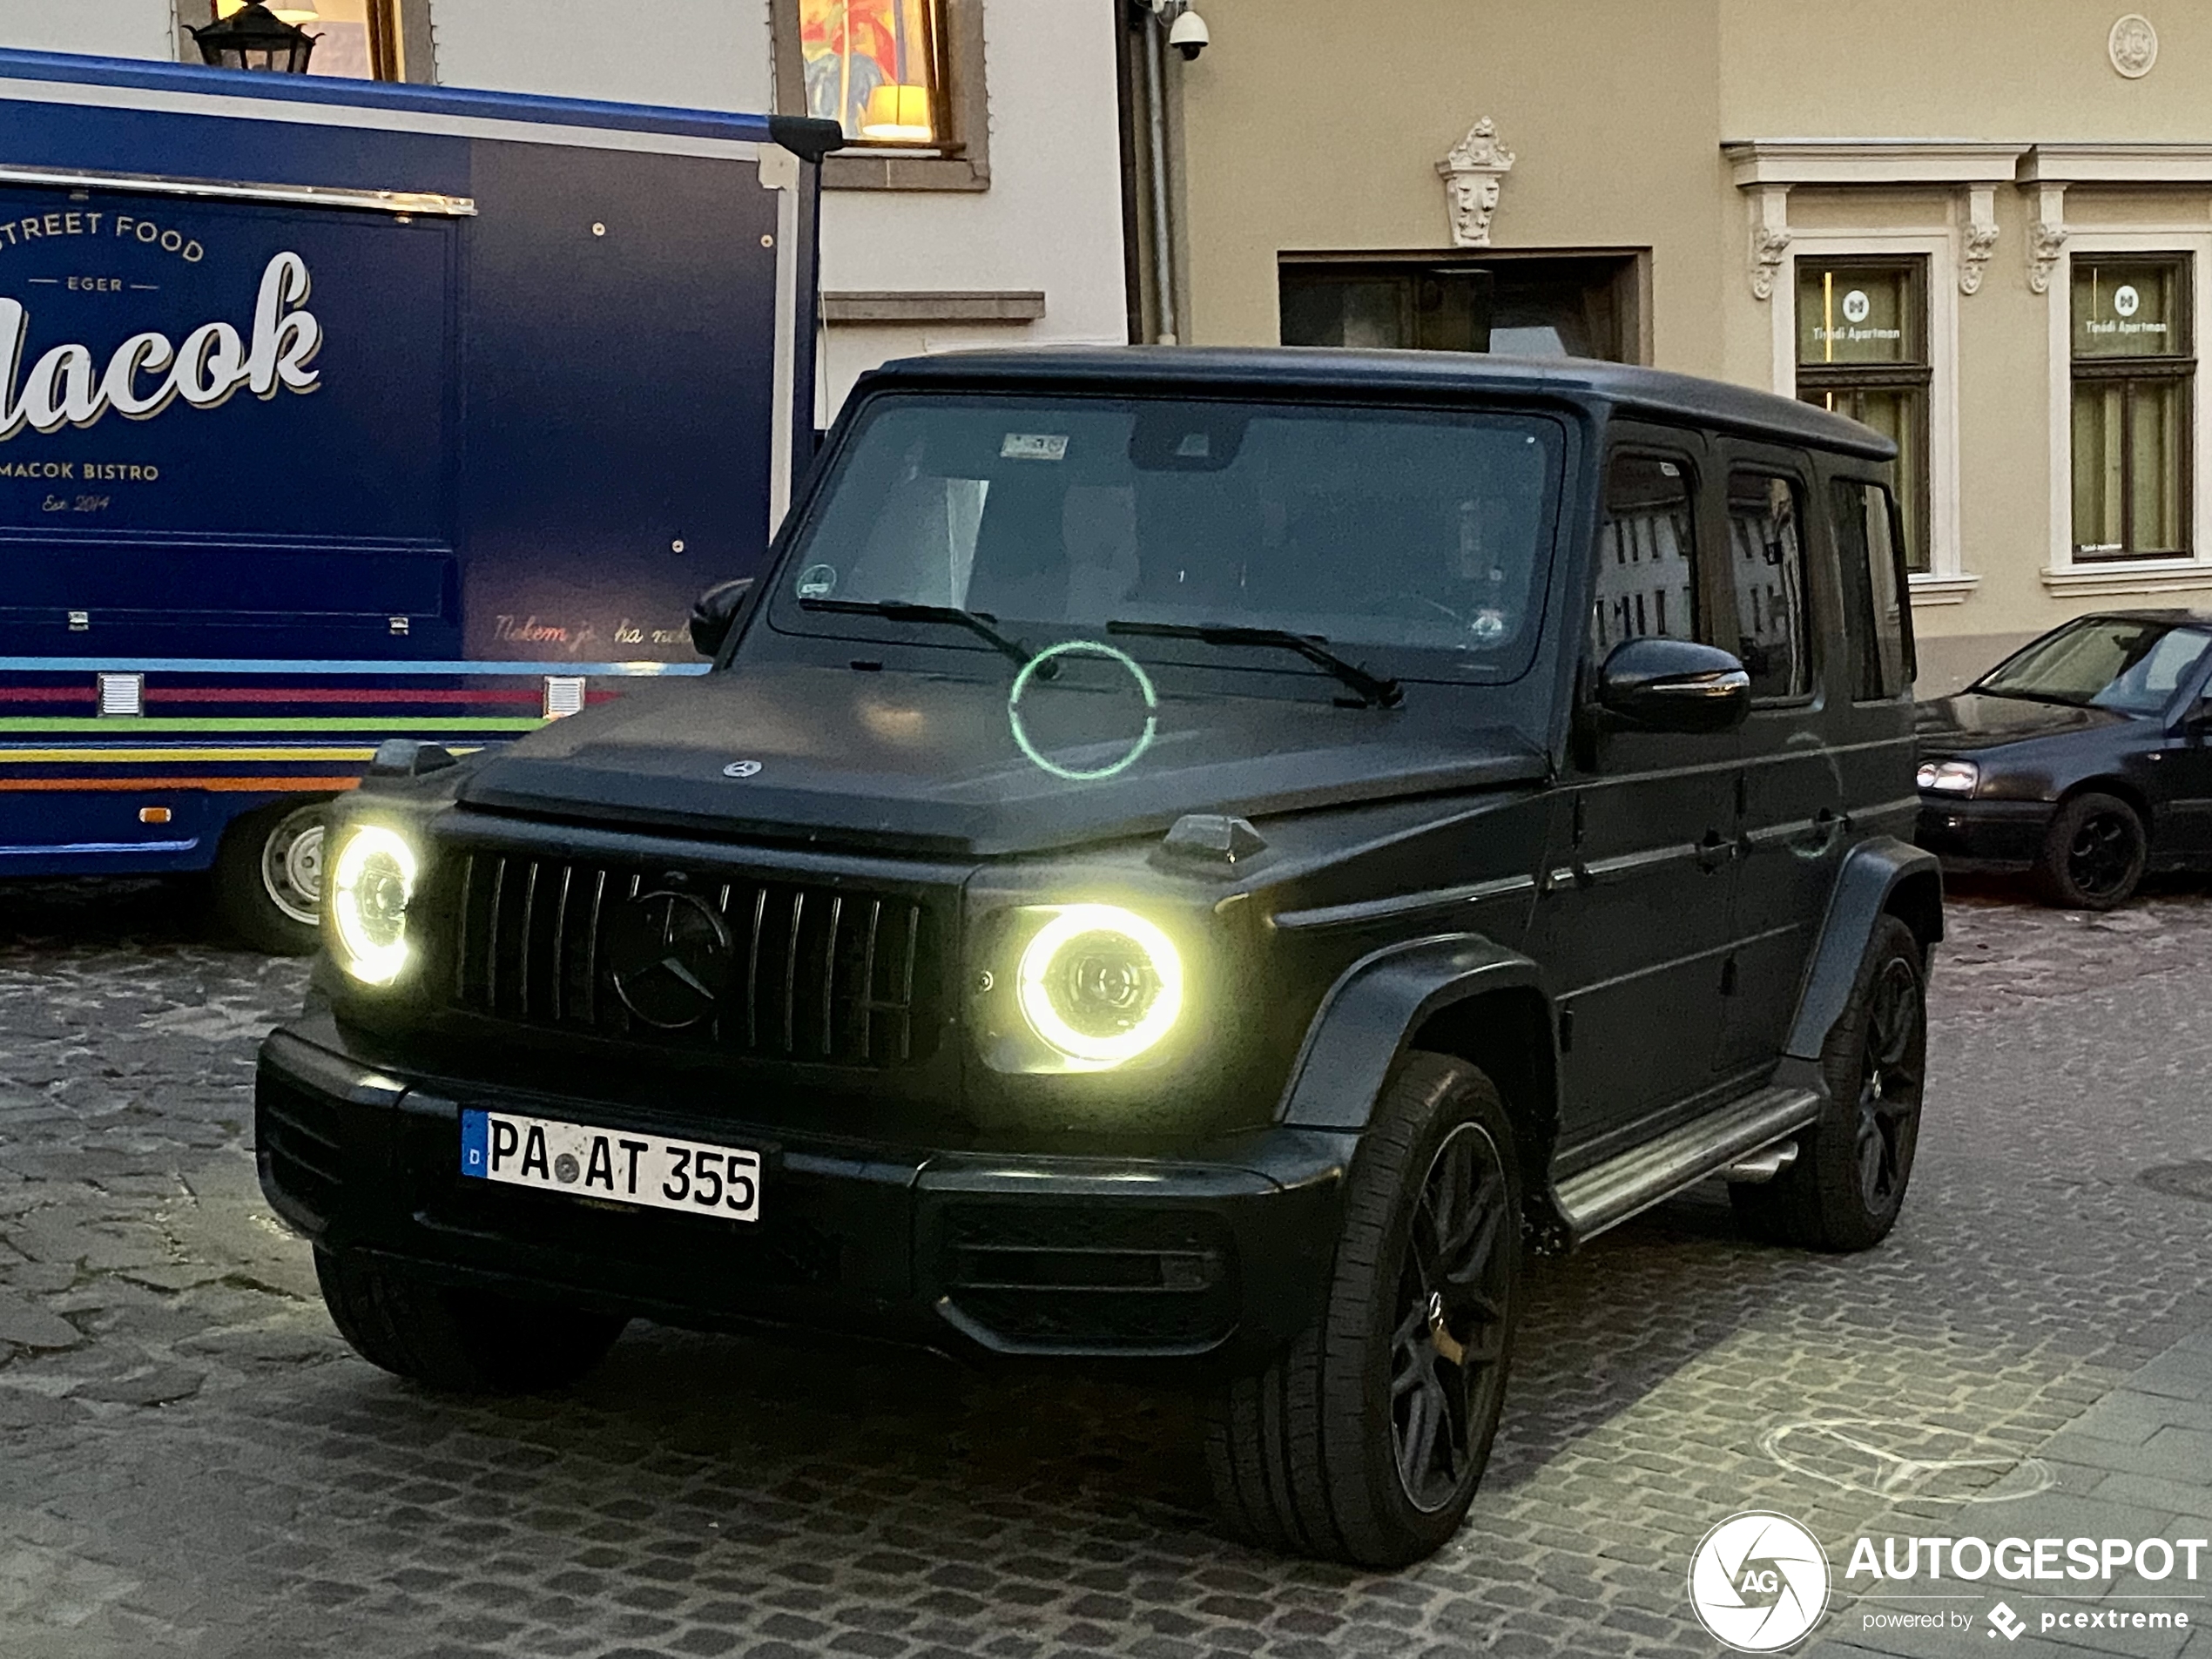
[1948,777]
[1100,984]
[372,882]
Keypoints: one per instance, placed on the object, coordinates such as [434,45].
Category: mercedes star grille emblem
[668,953]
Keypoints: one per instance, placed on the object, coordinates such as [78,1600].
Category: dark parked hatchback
[2080,761]
[1190,860]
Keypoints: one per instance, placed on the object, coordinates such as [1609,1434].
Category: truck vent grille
[772,969]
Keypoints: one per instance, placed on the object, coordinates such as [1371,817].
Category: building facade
[1985,228]
[981,203]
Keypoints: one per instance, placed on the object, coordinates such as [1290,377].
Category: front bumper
[1993,835]
[1215,1259]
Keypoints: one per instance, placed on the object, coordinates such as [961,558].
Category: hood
[1971,721]
[929,763]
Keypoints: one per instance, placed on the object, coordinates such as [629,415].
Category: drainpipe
[1163,246]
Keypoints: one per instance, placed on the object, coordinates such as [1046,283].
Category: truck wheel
[2094,855]
[268,877]
[1848,1183]
[1364,1442]
[465,1342]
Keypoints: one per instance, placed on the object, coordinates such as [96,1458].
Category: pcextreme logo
[1758,1582]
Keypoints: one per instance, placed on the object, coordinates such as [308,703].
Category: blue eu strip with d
[476,1137]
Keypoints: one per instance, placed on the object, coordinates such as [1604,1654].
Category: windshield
[2131,665]
[1418,535]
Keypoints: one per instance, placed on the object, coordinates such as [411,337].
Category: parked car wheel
[1848,1183]
[1364,1442]
[458,1341]
[2094,855]
[268,877]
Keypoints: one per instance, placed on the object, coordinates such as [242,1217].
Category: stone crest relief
[2133,45]
[1473,173]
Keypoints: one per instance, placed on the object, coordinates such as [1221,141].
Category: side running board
[1608,1194]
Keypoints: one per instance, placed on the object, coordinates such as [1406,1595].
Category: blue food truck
[333,411]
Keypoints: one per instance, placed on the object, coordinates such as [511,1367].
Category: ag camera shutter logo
[1758,1582]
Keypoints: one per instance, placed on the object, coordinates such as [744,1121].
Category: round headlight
[372,881]
[1100,984]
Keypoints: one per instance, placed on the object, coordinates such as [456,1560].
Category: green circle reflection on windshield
[1084,648]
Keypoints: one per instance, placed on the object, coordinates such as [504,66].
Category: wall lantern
[254,38]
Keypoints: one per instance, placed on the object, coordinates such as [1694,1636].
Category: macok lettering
[147,372]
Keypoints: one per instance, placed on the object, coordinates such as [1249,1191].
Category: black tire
[2094,855]
[1848,1183]
[456,1341]
[268,877]
[1312,1455]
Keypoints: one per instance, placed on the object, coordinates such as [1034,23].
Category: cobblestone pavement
[191,1464]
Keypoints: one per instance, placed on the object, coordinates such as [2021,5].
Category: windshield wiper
[978,623]
[2019,695]
[1373,693]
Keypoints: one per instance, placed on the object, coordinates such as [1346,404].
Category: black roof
[1333,371]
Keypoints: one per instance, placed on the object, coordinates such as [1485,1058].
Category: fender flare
[1367,1019]
[1867,887]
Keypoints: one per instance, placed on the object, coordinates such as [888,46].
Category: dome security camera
[1189,35]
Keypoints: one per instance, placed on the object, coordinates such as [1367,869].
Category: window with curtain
[1862,352]
[876,67]
[2133,366]
[354,39]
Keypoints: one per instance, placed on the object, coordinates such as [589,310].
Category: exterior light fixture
[254,38]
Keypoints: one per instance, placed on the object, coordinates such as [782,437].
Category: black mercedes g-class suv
[1191,859]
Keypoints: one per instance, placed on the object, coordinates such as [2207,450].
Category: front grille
[773,969]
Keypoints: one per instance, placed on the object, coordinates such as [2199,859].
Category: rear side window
[1647,555]
[1767,553]
[1874,589]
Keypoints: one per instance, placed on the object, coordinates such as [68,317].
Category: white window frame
[2064,574]
[1945,581]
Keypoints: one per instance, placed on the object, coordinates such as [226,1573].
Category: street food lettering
[148,371]
[39,227]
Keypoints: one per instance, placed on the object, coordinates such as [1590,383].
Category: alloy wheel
[1448,1347]
[2102,856]
[1888,1095]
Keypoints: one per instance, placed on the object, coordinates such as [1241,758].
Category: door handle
[1827,825]
[1714,850]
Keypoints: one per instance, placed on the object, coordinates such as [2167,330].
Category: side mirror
[1674,685]
[715,612]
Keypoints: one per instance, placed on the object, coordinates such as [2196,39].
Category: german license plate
[612,1165]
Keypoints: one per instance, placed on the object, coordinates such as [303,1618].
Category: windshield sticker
[1034,446]
[817,582]
[1196,445]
